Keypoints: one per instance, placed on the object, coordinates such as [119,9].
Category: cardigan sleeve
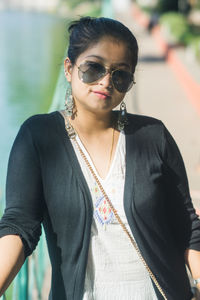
[24,198]
[186,224]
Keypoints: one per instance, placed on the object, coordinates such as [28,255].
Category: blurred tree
[167,5]
[195,3]
[74,3]
[182,6]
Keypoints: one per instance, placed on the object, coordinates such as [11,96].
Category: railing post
[21,283]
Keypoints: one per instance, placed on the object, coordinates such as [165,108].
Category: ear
[68,69]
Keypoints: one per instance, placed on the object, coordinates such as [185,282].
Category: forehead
[109,49]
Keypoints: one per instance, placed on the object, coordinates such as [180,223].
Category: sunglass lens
[122,80]
[91,71]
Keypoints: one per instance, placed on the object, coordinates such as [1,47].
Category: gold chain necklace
[111,151]
[72,135]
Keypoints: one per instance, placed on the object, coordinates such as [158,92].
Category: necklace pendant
[70,130]
[71,133]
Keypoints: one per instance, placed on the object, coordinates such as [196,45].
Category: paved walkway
[159,93]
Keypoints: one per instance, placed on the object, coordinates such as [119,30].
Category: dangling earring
[69,102]
[122,118]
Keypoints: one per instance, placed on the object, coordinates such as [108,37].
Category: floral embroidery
[96,191]
[102,211]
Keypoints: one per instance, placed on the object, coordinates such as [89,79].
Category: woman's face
[100,96]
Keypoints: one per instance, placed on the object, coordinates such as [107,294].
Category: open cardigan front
[45,185]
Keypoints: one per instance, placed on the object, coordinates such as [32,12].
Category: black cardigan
[45,184]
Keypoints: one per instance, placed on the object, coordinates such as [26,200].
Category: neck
[92,123]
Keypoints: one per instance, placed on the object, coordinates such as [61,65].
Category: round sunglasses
[90,71]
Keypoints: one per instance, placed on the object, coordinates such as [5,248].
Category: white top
[114,270]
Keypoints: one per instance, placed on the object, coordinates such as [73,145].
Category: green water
[32,48]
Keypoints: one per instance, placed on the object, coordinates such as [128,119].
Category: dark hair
[87,31]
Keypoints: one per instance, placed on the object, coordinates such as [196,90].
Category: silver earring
[69,102]
[122,117]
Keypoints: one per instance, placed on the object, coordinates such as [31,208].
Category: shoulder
[42,124]
[41,128]
[40,120]
[142,119]
[142,123]
[146,132]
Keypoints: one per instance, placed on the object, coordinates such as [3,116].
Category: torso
[114,269]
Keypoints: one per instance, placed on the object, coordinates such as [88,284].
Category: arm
[12,258]
[184,221]
[20,226]
[186,224]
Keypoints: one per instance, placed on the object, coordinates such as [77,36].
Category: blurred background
[33,43]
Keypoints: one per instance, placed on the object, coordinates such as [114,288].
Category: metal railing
[28,284]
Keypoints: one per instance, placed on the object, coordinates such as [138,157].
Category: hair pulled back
[87,31]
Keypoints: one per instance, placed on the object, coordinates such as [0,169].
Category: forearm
[192,258]
[11,259]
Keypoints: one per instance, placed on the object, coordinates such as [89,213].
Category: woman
[66,167]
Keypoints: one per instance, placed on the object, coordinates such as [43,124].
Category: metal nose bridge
[109,70]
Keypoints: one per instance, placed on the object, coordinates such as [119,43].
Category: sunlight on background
[32,49]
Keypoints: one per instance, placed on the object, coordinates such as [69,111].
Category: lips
[101,93]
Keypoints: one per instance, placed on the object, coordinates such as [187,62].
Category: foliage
[197,4]
[165,6]
[76,8]
[159,6]
[195,45]
[177,25]
[147,6]
[95,11]
[74,3]
[181,31]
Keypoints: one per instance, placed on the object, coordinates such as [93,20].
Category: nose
[106,81]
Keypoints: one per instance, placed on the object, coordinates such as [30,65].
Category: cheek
[76,83]
[79,89]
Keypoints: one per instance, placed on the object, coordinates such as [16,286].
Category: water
[32,48]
